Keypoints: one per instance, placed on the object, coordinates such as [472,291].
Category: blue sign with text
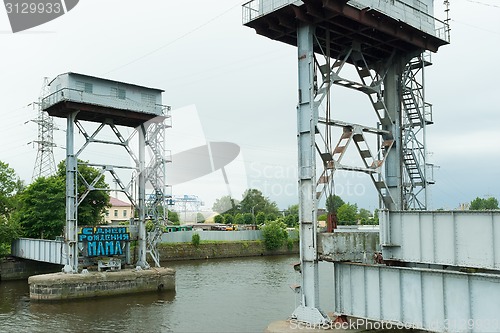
[103,241]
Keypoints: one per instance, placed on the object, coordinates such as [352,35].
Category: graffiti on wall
[103,241]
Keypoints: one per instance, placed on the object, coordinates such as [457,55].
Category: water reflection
[228,295]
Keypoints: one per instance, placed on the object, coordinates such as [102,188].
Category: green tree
[200,218]
[364,216]
[260,218]
[292,220]
[347,214]
[92,208]
[275,234]
[238,219]
[219,219]
[173,217]
[225,204]
[333,203]
[375,216]
[254,202]
[10,185]
[373,220]
[150,226]
[247,218]
[228,218]
[42,211]
[271,216]
[292,216]
[484,204]
[8,232]
[292,210]
[42,205]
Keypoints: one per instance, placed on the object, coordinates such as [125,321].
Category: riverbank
[20,269]
[216,250]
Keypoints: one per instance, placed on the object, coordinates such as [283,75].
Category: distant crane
[45,164]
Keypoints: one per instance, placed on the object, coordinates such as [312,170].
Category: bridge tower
[82,100]
[383,43]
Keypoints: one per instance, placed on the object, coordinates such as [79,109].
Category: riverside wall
[187,251]
[20,269]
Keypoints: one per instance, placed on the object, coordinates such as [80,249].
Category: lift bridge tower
[113,105]
[385,43]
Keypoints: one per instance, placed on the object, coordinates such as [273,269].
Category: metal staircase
[370,83]
[416,116]
[156,199]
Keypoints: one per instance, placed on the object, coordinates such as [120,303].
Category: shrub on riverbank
[275,234]
[195,240]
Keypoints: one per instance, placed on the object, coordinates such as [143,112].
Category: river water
[226,295]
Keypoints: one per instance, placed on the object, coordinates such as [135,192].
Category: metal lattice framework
[45,164]
[160,193]
[379,39]
[154,134]
[410,191]
[371,83]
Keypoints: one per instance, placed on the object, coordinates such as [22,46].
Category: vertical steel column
[393,162]
[141,186]
[70,236]
[427,180]
[307,120]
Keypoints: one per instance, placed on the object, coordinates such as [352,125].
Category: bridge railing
[39,249]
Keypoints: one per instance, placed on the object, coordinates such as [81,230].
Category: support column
[307,120]
[70,235]
[393,162]
[141,186]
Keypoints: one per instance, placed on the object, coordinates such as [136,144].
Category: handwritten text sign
[103,241]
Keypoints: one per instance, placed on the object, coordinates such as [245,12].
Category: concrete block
[60,286]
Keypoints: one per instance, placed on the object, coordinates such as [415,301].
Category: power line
[484,4]
[476,27]
[175,40]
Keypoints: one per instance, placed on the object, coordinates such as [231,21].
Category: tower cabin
[102,100]
[379,27]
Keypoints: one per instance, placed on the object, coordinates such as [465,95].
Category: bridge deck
[44,250]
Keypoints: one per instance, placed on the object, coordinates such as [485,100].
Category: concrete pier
[349,245]
[60,286]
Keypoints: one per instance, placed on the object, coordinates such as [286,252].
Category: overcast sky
[241,87]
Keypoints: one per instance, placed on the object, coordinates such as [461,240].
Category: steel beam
[70,232]
[457,238]
[307,120]
[141,187]
[393,167]
[429,299]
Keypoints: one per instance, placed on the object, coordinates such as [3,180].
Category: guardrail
[79,96]
[256,8]
[408,13]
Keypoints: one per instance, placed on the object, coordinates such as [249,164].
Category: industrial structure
[387,45]
[45,164]
[82,100]
[187,203]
